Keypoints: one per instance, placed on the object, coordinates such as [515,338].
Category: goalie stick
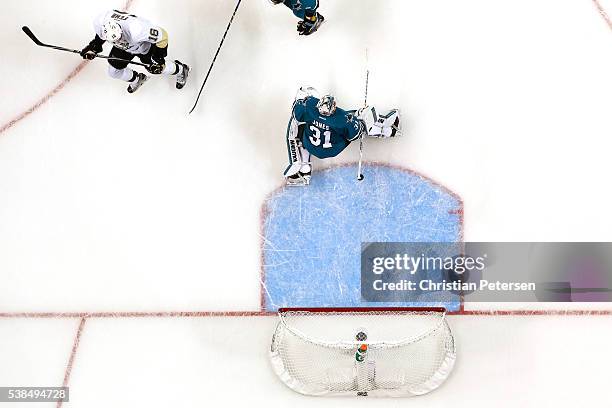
[360,176]
[30,34]
[215,57]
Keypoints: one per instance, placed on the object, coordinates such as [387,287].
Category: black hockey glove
[158,60]
[92,49]
[156,68]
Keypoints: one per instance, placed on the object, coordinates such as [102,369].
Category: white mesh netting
[409,352]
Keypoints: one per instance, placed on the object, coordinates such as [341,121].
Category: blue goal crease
[313,234]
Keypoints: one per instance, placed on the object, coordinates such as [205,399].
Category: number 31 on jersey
[315,137]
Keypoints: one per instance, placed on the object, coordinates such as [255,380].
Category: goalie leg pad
[302,177]
[300,167]
[295,158]
[306,167]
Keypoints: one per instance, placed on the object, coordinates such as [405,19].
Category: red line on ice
[44,99]
[255,313]
[75,347]
[533,312]
[110,315]
[602,12]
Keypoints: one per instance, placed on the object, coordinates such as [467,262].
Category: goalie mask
[112,31]
[327,105]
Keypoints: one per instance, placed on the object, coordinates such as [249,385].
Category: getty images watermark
[423,264]
[487,272]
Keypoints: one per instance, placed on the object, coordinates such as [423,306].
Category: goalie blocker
[318,127]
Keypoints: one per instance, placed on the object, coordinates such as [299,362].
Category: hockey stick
[215,57]
[365,104]
[30,34]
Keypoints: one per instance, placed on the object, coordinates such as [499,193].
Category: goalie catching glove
[380,126]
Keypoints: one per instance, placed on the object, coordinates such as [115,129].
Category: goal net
[394,352]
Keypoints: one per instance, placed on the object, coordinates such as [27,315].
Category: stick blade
[30,34]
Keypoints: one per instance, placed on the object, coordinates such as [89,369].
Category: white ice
[112,202]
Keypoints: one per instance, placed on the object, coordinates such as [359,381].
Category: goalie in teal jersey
[319,128]
[306,11]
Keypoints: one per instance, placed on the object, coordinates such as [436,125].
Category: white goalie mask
[327,105]
[112,31]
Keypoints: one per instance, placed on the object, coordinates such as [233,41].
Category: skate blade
[137,87]
[298,182]
[187,69]
[315,29]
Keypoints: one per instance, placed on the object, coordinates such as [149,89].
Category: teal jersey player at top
[319,128]
[306,11]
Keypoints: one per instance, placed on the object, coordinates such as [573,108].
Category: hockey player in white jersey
[133,36]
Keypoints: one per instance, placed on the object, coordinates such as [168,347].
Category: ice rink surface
[116,203]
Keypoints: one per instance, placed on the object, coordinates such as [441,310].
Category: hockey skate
[299,179]
[303,29]
[137,83]
[181,77]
